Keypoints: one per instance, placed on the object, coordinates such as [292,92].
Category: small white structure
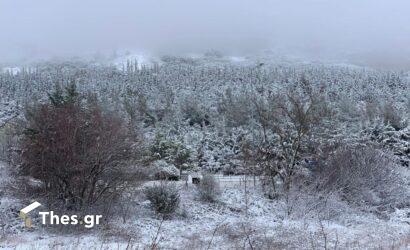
[24,213]
[191,178]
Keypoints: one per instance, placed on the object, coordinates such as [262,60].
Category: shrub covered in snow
[164,198]
[164,171]
[171,152]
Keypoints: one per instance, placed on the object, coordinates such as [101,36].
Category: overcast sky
[378,29]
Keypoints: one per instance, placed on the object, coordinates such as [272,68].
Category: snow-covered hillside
[228,115]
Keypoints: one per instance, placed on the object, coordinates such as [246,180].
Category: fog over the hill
[374,32]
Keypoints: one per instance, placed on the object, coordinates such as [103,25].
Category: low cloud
[321,29]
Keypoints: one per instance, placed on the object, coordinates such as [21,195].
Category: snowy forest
[206,152]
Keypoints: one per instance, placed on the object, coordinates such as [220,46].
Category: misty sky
[377,29]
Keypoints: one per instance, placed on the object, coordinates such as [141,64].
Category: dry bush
[209,189]
[306,202]
[9,142]
[77,150]
[391,116]
[195,241]
[371,110]
[363,175]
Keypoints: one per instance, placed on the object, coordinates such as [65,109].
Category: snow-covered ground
[238,221]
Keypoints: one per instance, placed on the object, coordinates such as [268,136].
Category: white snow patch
[237,59]
[142,59]
[12,70]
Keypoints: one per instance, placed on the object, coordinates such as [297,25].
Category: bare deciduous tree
[291,118]
[76,149]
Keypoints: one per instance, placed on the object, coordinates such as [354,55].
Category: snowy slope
[226,224]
